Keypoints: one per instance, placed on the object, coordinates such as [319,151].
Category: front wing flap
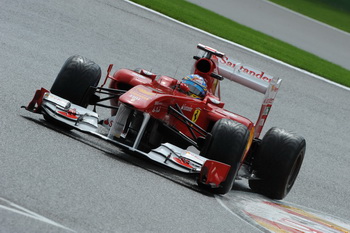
[211,173]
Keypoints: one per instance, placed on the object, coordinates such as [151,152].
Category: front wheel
[73,83]
[277,163]
[228,144]
[75,78]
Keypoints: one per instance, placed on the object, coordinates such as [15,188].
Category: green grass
[333,12]
[230,30]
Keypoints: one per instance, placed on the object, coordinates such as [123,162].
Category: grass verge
[218,25]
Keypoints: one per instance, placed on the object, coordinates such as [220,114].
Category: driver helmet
[197,86]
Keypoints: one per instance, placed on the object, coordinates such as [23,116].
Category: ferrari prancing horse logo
[196,115]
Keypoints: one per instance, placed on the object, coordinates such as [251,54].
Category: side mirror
[216,102]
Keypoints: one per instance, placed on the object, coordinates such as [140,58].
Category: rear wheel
[75,78]
[228,144]
[277,163]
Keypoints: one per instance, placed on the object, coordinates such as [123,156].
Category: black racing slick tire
[75,78]
[228,144]
[277,163]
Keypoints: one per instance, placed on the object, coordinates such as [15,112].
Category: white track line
[242,47]
[23,211]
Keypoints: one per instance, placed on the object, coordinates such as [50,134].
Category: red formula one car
[161,118]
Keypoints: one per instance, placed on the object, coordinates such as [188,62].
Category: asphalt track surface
[52,181]
[310,35]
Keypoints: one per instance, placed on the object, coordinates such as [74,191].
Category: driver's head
[197,86]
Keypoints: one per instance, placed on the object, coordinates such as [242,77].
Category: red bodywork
[154,95]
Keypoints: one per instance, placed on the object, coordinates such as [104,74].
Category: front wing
[210,173]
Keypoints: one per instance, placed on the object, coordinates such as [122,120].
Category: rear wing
[256,79]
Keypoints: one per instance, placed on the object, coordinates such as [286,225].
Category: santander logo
[245,69]
[261,75]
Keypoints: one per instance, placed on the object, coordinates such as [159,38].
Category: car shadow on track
[186,180]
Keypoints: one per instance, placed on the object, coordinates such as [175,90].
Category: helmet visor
[195,88]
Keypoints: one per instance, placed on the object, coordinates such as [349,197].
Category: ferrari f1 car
[158,117]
